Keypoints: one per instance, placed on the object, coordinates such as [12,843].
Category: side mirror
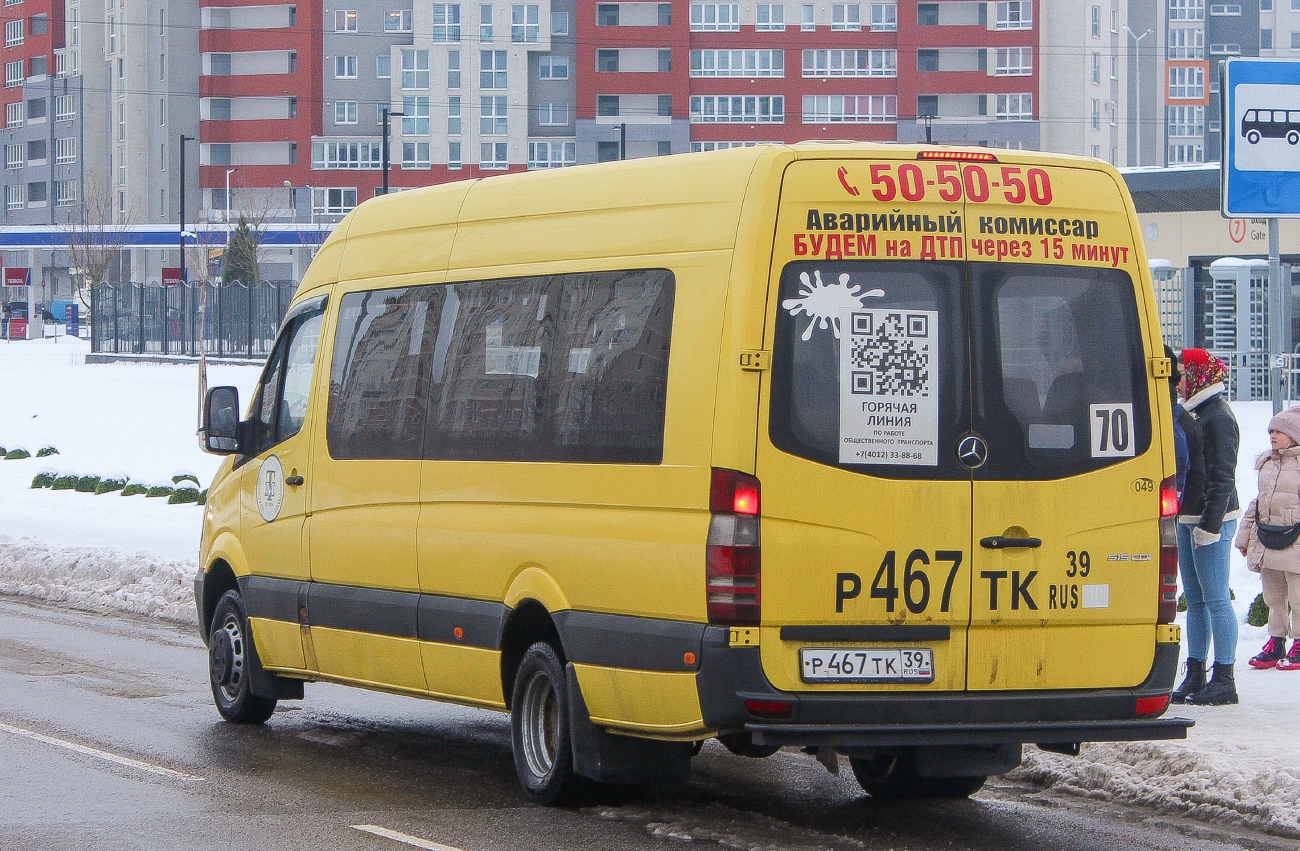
[221,421]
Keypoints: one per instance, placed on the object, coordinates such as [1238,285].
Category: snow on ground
[1240,763]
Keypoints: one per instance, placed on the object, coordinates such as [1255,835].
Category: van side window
[545,368]
[280,403]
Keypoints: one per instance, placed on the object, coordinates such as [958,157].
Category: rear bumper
[730,676]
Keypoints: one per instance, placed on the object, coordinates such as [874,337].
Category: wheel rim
[232,666]
[541,725]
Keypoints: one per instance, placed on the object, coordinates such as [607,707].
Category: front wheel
[895,776]
[230,654]
[1253,137]
[539,728]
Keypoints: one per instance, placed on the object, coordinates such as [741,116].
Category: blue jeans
[1209,600]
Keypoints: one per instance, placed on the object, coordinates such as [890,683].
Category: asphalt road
[108,739]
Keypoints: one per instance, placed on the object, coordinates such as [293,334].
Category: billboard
[1261,138]
[17,276]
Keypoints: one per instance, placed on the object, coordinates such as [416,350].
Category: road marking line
[98,754]
[413,841]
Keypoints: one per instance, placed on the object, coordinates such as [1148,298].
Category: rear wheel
[895,776]
[539,727]
[230,654]
[1293,138]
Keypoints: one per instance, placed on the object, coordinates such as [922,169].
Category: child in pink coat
[1278,504]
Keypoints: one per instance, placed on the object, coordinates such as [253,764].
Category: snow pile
[1176,777]
[98,578]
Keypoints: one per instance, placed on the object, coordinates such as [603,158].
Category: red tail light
[779,709]
[1168,600]
[1152,705]
[732,563]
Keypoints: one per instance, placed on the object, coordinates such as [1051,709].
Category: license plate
[866,665]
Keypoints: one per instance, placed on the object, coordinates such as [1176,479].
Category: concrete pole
[1279,315]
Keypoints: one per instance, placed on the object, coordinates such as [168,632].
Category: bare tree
[95,236]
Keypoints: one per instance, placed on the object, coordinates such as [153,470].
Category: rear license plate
[866,665]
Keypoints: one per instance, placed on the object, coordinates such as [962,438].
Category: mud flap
[624,760]
[267,685]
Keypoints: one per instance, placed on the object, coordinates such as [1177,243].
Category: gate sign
[1261,138]
[18,276]
[171,276]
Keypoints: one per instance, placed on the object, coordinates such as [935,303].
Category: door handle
[294,481]
[997,542]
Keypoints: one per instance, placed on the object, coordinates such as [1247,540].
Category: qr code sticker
[890,354]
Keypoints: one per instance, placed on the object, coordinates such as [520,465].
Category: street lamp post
[184,139]
[1137,51]
[384,145]
[229,172]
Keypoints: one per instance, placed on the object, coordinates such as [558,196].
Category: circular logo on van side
[270,488]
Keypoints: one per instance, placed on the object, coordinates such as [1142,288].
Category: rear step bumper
[731,676]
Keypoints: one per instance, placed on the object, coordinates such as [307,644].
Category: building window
[13,33]
[553,114]
[415,69]
[737,109]
[1096,68]
[1015,15]
[1015,107]
[492,69]
[607,14]
[453,69]
[850,63]
[64,108]
[552,154]
[559,23]
[485,22]
[65,150]
[65,193]
[36,193]
[1096,22]
[383,67]
[927,14]
[492,116]
[846,17]
[850,109]
[36,108]
[345,67]
[1265,39]
[769,17]
[1096,114]
[446,22]
[333,201]
[715,17]
[14,114]
[346,155]
[397,21]
[665,14]
[884,17]
[453,115]
[14,73]
[665,61]
[415,155]
[15,196]
[1186,121]
[1181,154]
[738,63]
[552,67]
[927,60]
[1187,82]
[608,152]
[492,156]
[607,105]
[1013,62]
[664,106]
[607,61]
[1186,10]
[15,155]
[345,20]
[1225,9]
[1225,49]
[345,112]
[525,23]
[1295,40]
[1186,44]
[416,120]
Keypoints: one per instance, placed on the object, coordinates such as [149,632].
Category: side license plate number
[866,665]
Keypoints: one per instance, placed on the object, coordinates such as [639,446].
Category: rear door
[866,576]
[1065,551]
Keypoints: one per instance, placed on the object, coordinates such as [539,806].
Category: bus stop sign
[1261,138]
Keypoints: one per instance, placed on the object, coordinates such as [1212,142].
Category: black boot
[1192,683]
[1221,690]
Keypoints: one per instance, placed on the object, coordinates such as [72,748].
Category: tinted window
[567,367]
[1060,386]
[869,367]
[280,402]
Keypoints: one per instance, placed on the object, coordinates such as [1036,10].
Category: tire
[539,729]
[230,655]
[895,777]
[1253,137]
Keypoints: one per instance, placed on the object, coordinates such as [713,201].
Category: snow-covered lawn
[137,554]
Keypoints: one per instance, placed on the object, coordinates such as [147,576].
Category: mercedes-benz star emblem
[972,451]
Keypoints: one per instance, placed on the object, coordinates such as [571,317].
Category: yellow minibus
[864,449]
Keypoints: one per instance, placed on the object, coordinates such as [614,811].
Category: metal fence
[239,320]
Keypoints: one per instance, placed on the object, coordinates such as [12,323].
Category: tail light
[1168,603]
[732,556]
[1152,705]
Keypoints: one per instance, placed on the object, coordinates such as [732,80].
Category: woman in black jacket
[1207,522]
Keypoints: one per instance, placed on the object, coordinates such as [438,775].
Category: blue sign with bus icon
[1261,138]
